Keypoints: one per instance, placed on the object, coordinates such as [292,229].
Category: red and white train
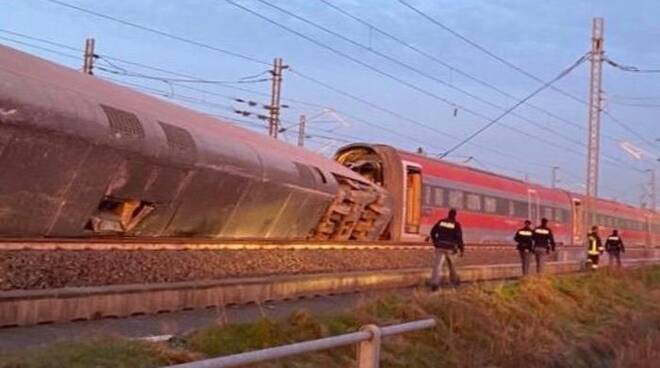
[491,206]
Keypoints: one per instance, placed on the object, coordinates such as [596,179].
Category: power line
[37,47]
[382,72]
[158,32]
[447,65]
[179,80]
[537,91]
[629,68]
[492,54]
[488,52]
[401,81]
[422,73]
[626,127]
[648,105]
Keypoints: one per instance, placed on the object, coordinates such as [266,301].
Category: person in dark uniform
[594,247]
[614,247]
[525,241]
[544,242]
[447,237]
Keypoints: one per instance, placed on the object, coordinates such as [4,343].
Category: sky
[355,83]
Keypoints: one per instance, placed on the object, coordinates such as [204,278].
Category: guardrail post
[368,353]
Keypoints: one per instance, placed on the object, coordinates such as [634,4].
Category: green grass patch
[606,319]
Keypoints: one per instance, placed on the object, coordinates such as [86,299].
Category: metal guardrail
[368,352]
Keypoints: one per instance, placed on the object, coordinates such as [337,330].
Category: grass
[604,319]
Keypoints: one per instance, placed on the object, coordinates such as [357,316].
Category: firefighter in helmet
[594,247]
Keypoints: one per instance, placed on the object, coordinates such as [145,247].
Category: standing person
[594,247]
[614,247]
[524,238]
[544,241]
[447,238]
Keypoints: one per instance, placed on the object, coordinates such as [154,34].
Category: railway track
[127,243]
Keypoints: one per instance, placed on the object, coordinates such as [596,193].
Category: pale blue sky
[543,37]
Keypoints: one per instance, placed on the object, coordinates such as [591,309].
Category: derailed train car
[80,156]
[491,206]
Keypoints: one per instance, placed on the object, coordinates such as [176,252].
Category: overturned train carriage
[80,156]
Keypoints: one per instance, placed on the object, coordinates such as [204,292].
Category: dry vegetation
[604,319]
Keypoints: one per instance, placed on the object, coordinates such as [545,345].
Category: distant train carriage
[491,207]
[80,156]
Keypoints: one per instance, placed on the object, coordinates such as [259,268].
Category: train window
[427,195]
[559,215]
[547,213]
[512,208]
[520,209]
[473,202]
[490,204]
[439,197]
[456,199]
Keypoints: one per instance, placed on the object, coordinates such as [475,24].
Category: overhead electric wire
[383,73]
[537,91]
[447,65]
[647,105]
[493,55]
[626,127]
[177,80]
[488,52]
[37,47]
[209,104]
[630,68]
[410,85]
[422,73]
[158,32]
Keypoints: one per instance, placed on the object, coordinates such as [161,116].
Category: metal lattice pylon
[595,98]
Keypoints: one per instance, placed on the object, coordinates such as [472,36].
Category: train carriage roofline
[107,159]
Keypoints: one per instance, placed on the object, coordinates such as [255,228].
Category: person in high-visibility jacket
[614,247]
[594,247]
[524,239]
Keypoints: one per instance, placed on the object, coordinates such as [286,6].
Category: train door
[533,206]
[578,221]
[412,198]
[648,230]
